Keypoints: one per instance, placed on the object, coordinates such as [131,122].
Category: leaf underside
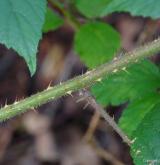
[149,8]
[20,27]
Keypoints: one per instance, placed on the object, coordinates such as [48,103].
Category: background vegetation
[58,40]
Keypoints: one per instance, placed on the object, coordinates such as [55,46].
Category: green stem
[79,82]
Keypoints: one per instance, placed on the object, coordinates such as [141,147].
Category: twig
[80,82]
[86,95]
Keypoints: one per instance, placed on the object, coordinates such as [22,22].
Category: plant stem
[100,111]
[80,82]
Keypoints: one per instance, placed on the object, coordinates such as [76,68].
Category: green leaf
[146,8]
[92,8]
[138,80]
[145,149]
[20,27]
[136,111]
[52,21]
[96,43]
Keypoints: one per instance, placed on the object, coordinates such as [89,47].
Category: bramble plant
[129,78]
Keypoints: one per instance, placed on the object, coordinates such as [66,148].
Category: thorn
[88,72]
[79,100]
[86,105]
[49,87]
[115,70]
[5,106]
[138,152]
[34,110]
[69,93]
[99,80]
[6,102]
[124,69]
[133,140]
[15,102]
[115,58]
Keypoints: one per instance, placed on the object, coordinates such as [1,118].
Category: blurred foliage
[21,26]
[92,8]
[52,21]
[96,43]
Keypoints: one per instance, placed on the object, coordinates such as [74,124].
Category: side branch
[85,95]
[80,82]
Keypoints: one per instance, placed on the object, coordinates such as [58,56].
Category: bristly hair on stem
[80,82]
[99,110]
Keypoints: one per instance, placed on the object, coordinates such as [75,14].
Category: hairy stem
[80,82]
[100,111]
